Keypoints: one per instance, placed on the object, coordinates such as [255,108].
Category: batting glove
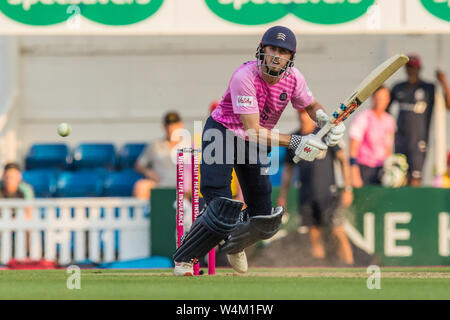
[306,147]
[321,118]
[336,133]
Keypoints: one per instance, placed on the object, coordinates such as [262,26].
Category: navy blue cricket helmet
[281,37]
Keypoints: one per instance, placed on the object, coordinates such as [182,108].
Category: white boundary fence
[72,230]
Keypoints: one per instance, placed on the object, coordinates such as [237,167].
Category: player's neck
[270,80]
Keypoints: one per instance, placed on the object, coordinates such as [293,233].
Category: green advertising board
[255,12]
[438,8]
[163,222]
[404,226]
[108,12]
[401,226]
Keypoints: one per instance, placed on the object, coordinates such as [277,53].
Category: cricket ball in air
[64,129]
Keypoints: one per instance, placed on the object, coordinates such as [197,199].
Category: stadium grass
[258,284]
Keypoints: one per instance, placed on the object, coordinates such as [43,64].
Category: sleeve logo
[244,101]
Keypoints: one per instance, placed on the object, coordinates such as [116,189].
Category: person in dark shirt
[319,195]
[416,102]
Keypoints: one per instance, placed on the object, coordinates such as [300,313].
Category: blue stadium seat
[129,153]
[120,183]
[48,156]
[94,155]
[83,183]
[43,181]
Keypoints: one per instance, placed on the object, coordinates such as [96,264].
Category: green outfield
[261,284]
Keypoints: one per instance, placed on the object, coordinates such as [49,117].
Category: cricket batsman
[257,94]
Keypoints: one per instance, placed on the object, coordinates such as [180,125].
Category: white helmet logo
[281,36]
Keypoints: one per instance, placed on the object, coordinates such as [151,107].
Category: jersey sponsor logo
[244,101]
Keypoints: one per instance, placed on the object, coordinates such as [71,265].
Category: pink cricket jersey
[248,93]
[375,136]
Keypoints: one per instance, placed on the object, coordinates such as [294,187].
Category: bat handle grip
[325,129]
[322,132]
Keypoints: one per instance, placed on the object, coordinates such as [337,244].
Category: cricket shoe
[238,261]
[183,269]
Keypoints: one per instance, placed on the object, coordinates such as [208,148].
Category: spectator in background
[416,102]
[12,185]
[371,140]
[155,163]
[319,196]
[443,181]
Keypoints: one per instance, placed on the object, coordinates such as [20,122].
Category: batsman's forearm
[268,137]
[261,135]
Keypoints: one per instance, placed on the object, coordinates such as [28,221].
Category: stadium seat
[43,181]
[48,156]
[120,183]
[82,183]
[94,155]
[129,153]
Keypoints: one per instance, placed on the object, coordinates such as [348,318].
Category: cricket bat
[365,89]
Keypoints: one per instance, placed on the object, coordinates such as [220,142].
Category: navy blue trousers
[223,151]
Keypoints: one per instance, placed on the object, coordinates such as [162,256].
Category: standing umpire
[416,102]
